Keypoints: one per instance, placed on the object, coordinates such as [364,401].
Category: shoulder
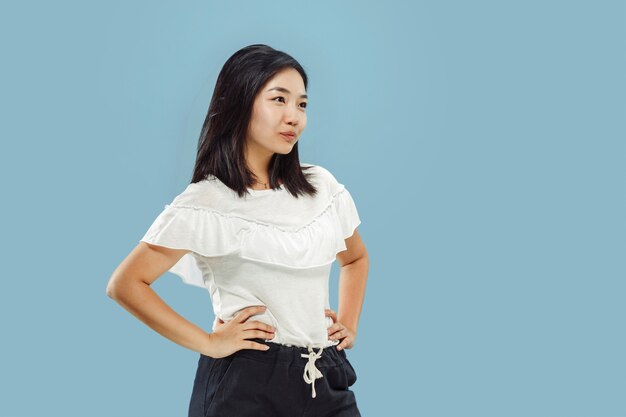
[323,177]
[201,193]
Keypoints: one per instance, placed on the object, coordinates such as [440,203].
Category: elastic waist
[311,360]
[277,352]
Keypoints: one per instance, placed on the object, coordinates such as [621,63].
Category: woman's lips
[287,137]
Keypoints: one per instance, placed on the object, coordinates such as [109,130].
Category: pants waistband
[277,352]
[311,360]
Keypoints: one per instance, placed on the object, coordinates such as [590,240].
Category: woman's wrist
[207,345]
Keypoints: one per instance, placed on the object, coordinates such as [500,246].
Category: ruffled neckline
[252,191]
[192,222]
[253,222]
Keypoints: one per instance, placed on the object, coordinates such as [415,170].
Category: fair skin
[354,262]
[280,106]
[130,283]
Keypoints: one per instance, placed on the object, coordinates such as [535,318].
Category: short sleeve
[173,229]
[343,204]
[200,230]
[347,213]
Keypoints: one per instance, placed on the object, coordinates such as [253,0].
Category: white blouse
[268,248]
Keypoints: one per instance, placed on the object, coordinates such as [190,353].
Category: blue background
[483,143]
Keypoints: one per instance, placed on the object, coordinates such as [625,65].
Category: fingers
[330,313]
[335,327]
[255,345]
[337,331]
[337,334]
[247,312]
[257,328]
[249,334]
[345,344]
[255,324]
[345,337]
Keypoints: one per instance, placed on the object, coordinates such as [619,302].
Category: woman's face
[279,107]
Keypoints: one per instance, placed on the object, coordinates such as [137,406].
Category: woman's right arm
[130,287]
[130,283]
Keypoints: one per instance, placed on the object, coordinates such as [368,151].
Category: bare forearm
[352,283]
[144,303]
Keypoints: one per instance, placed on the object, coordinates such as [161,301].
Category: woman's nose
[291,115]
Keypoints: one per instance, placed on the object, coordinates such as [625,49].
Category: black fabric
[271,384]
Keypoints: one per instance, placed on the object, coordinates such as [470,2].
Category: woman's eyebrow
[284,90]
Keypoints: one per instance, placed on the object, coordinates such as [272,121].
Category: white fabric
[268,248]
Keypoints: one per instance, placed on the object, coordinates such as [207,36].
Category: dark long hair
[222,139]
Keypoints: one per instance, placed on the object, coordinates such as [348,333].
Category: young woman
[259,230]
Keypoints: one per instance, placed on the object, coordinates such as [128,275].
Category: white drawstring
[311,373]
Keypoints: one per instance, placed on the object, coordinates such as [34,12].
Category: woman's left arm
[352,281]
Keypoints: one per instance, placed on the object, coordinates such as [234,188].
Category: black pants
[273,383]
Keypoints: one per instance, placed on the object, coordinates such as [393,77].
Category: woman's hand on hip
[230,337]
[340,332]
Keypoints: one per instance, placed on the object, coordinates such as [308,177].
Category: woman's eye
[304,105]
